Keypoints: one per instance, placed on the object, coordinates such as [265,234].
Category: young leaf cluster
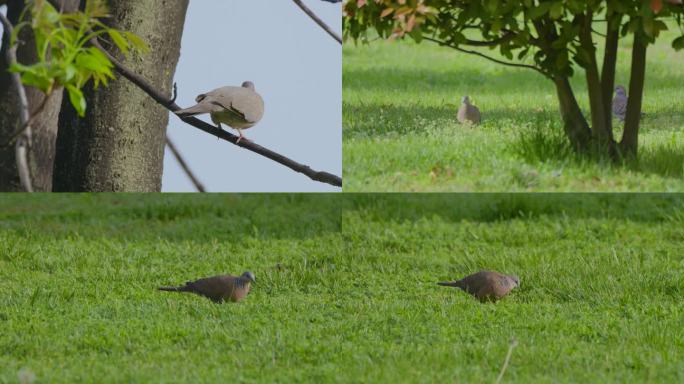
[64,56]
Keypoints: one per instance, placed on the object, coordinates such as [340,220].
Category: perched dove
[238,107]
[486,285]
[218,288]
[468,113]
[620,103]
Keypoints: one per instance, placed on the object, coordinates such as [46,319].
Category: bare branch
[486,57]
[318,20]
[320,176]
[28,122]
[23,144]
[195,181]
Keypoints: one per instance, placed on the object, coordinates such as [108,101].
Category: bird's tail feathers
[450,284]
[173,289]
[192,111]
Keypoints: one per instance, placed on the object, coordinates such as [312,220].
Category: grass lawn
[345,288]
[401,134]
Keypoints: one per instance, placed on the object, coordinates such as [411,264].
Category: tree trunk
[44,126]
[574,123]
[609,62]
[603,136]
[630,137]
[119,144]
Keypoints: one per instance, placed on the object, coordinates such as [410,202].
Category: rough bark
[119,144]
[630,137]
[44,126]
[576,128]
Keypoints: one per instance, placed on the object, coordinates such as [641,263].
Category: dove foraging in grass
[218,288]
[468,113]
[486,285]
[620,103]
[237,107]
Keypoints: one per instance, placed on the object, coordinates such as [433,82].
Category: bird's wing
[242,101]
[619,105]
[475,114]
[461,115]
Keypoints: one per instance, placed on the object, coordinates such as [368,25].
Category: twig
[486,56]
[318,20]
[198,185]
[136,79]
[513,344]
[23,144]
[29,122]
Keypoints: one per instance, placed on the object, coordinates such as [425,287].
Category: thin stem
[513,344]
[486,57]
[23,145]
[318,20]
[186,168]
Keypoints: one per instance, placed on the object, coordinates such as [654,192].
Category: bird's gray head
[620,90]
[249,276]
[465,100]
[248,84]
[515,279]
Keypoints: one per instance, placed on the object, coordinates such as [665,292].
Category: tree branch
[186,168]
[318,20]
[320,176]
[23,144]
[486,57]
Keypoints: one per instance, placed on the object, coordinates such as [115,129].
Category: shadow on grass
[502,207]
[373,120]
[456,82]
[175,217]
[545,141]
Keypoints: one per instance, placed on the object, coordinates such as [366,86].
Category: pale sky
[297,69]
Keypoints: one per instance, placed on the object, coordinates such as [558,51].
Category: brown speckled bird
[486,285]
[218,288]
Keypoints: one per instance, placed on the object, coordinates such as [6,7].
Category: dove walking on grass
[620,103]
[468,113]
[237,107]
[486,285]
[218,288]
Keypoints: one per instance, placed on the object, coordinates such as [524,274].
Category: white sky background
[297,69]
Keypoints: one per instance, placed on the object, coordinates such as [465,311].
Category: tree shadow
[232,218]
[508,206]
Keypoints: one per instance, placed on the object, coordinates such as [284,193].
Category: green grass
[400,131]
[354,298]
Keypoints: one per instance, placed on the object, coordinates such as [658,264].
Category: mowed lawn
[401,134]
[345,288]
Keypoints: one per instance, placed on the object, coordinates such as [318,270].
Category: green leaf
[556,10]
[119,40]
[678,43]
[538,11]
[77,99]
[137,42]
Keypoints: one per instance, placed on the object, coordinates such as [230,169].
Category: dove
[218,288]
[468,113]
[620,103]
[237,107]
[486,285]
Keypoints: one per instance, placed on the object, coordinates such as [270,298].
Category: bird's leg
[242,137]
[219,127]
